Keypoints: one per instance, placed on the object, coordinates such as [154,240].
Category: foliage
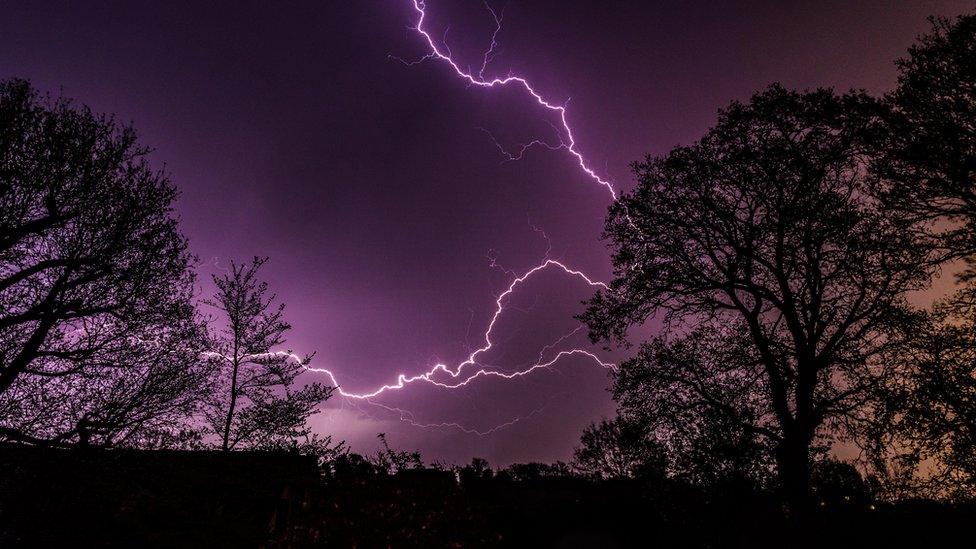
[924,443]
[534,471]
[147,397]
[837,483]
[477,470]
[927,444]
[704,397]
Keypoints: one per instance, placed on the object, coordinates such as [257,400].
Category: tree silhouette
[256,405]
[703,397]
[926,442]
[839,483]
[477,471]
[534,471]
[93,270]
[391,461]
[930,168]
[768,221]
[618,448]
[931,155]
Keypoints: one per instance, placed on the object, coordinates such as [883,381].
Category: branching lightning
[451,378]
[567,140]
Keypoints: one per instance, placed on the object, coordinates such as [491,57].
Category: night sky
[390,216]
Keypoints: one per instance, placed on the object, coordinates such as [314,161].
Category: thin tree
[256,405]
[768,220]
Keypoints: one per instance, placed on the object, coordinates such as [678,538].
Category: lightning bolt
[567,139]
[452,378]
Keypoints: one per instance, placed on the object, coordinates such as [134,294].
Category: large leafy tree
[768,222]
[93,268]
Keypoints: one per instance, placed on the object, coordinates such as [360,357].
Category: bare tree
[91,258]
[768,220]
[256,405]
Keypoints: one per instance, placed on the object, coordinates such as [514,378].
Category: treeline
[393,498]
[833,482]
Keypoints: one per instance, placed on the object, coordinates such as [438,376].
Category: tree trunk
[793,460]
[230,409]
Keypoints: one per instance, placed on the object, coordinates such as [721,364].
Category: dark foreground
[57,498]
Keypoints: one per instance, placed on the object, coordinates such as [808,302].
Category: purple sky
[292,133]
